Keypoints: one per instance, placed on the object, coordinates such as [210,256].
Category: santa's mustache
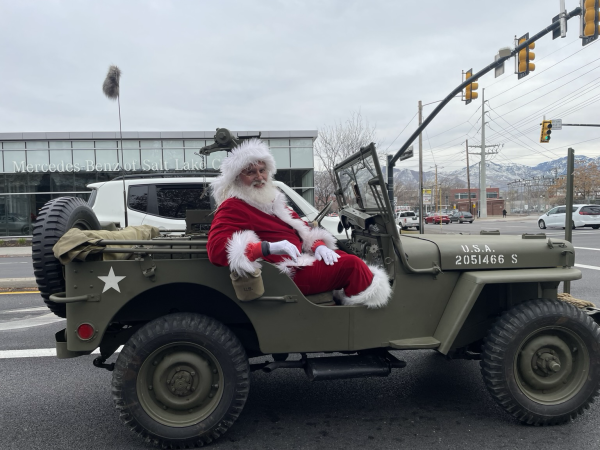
[258,182]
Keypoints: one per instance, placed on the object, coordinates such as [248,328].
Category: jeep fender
[469,287]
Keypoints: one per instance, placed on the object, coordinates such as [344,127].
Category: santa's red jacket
[237,224]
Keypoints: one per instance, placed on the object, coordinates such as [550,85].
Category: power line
[409,122]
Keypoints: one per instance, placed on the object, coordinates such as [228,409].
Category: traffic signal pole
[499,62]
[421,215]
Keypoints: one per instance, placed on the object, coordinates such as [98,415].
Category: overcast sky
[281,65]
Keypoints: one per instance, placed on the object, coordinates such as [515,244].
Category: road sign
[498,70]
[557,124]
[409,153]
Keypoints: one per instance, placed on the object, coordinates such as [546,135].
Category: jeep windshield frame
[360,183]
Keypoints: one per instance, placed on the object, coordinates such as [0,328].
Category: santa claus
[253,223]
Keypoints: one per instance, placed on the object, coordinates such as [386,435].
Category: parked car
[163,202]
[583,216]
[462,216]
[437,218]
[407,219]
[15,224]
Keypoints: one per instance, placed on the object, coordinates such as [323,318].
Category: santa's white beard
[261,198]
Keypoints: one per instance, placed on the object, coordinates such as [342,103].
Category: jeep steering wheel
[323,212]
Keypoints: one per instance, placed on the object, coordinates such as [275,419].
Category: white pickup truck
[407,219]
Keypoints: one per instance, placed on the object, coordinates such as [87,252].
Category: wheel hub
[547,362]
[181,383]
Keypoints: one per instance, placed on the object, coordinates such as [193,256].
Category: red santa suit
[241,223]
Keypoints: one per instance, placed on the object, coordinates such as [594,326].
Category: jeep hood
[468,252]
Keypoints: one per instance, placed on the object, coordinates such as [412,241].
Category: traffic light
[546,131]
[525,55]
[590,16]
[469,94]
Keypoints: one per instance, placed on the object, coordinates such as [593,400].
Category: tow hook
[100,363]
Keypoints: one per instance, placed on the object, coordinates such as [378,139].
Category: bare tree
[336,142]
[324,190]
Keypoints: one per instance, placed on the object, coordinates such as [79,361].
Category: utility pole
[421,214]
[482,181]
[468,176]
[569,212]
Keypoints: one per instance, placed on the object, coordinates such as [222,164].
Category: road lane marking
[32,309]
[20,292]
[30,322]
[588,248]
[583,266]
[38,353]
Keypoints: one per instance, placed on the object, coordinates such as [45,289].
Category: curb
[18,282]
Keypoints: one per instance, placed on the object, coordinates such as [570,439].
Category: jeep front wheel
[541,362]
[181,380]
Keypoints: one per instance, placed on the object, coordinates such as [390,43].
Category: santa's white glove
[284,248]
[326,254]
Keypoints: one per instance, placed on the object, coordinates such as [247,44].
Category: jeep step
[338,367]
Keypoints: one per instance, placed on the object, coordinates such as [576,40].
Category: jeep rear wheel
[54,219]
[541,362]
[181,380]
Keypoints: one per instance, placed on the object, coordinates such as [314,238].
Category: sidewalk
[15,251]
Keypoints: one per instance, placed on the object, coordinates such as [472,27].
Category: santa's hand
[284,248]
[326,254]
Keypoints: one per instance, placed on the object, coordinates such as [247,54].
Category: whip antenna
[110,87]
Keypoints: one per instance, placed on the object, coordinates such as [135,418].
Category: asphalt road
[433,403]
[16,267]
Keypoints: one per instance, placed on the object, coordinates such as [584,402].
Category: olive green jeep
[183,372]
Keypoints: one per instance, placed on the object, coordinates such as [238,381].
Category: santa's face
[255,176]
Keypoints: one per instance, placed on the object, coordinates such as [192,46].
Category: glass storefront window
[302,143]
[279,143]
[60,144]
[14,161]
[37,158]
[150,144]
[106,144]
[151,159]
[36,144]
[131,159]
[106,160]
[18,145]
[131,144]
[173,158]
[83,144]
[194,162]
[172,144]
[83,160]
[302,157]
[214,160]
[61,159]
[282,157]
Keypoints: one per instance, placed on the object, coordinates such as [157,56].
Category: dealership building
[37,167]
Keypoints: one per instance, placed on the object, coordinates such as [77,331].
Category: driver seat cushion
[322,299]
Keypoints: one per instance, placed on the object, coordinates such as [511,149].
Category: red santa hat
[248,153]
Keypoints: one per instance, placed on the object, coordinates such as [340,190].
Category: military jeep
[183,374]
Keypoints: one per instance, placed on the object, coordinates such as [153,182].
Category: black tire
[595,227]
[54,219]
[518,354]
[542,224]
[211,368]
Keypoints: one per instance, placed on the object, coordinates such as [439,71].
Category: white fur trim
[308,235]
[236,252]
[289,266]
[247,153]
[376,295]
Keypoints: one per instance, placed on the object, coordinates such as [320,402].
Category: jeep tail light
[85,331]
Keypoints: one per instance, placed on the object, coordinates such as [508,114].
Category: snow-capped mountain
[497,175]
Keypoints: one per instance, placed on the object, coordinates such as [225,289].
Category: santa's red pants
[349,273]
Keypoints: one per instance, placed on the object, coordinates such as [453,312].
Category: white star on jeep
[111,281]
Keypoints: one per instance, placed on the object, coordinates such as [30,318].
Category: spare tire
[54,219]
